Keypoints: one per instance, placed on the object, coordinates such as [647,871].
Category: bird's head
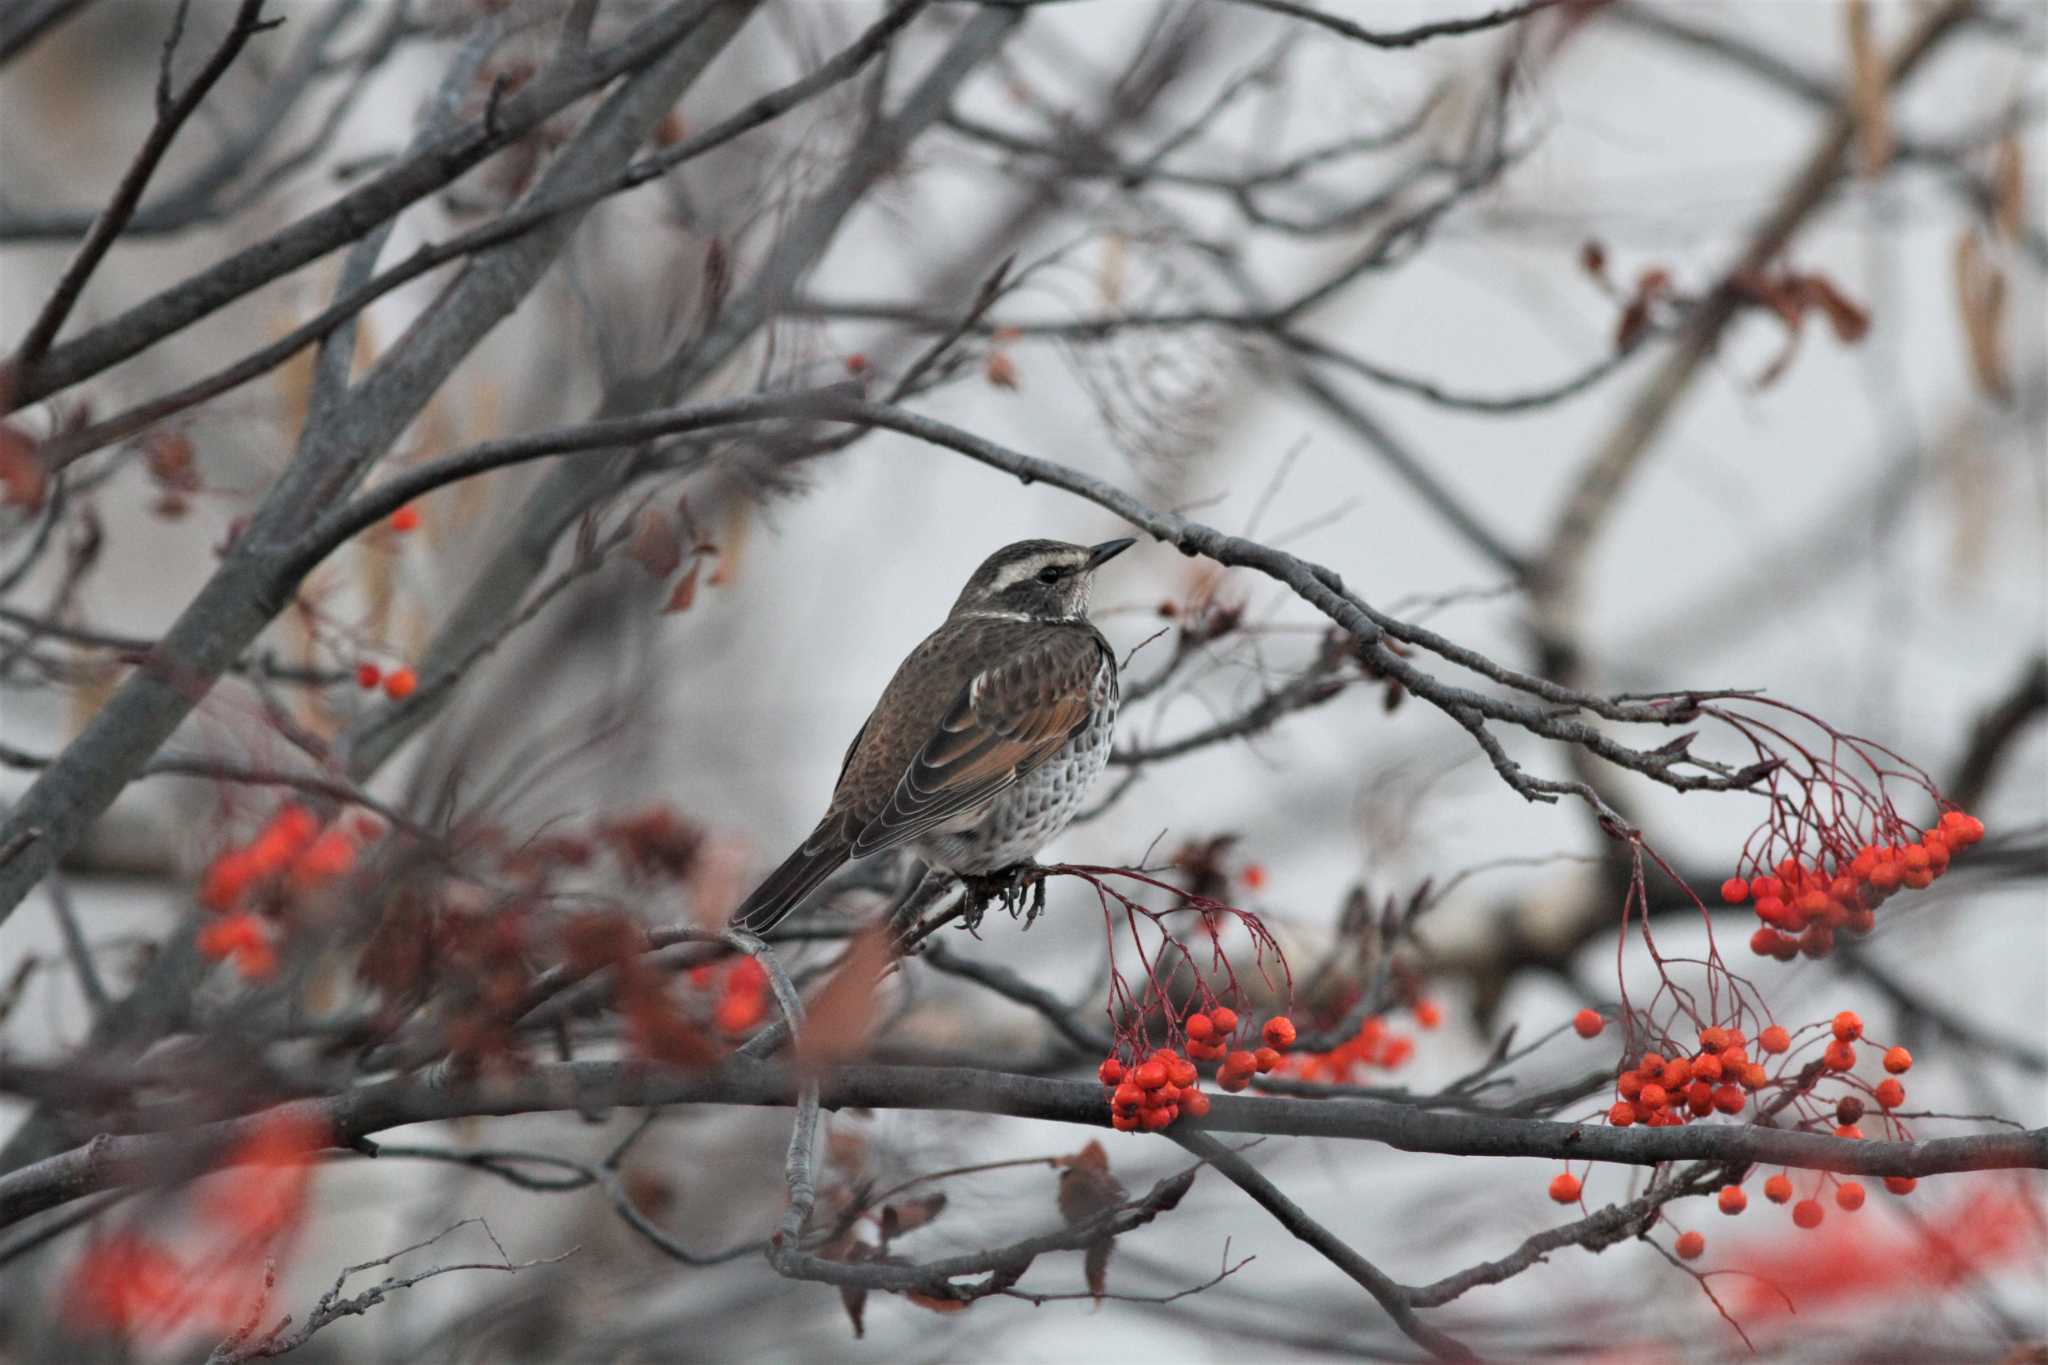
[1037,580]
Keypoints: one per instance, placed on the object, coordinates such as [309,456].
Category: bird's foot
[1020,887]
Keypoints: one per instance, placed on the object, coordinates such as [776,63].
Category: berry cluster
[290,856]
[1663,1092]
[1153,1093]
[742,987]
[398,684]
[1803,907]
[1374,1045]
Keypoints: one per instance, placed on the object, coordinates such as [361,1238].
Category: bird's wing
[1009,717]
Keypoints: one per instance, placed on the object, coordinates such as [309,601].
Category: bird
[985,741]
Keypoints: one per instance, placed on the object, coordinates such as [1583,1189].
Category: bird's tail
[784,889]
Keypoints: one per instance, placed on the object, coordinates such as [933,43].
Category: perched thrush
[984,742]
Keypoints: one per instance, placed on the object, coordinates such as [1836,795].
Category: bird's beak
[1099,555]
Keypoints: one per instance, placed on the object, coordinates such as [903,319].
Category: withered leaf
[685,590]
[1000,370]
[653,544]
[1096,1263]
[22,475]
[935,1304]
[1086,1187]
[856,1301]
[838,1020]
[911,1215]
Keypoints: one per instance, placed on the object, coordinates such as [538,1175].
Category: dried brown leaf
[685,591]
[22,476]
[1096,1263]
[653,544]
[839,1019]
[2009,189]
[909,1216]
[1086,1187]
[1000,370]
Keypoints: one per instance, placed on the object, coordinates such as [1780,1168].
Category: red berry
[1224,1018]
[1728,1099]
[1279,1033]
[405,519]
[1774,1039]
[1654,1096]
[1201,1028]
[1127,1096]
[1848,1026]
[1966,829]
[1622,1114]
[1691,1245]
[1194,1103]
[1233,1081]
[1156,1117]
[1124,1122]
[400,683]
[1898,1061]
[1735,891]
[1150,1076]
[1778,1189]
[1839,1056]
[1428,1013]
[1267,1059]
[1565,1188]
[368,676]
[1848,1132]
[1890,1094]
[1587,1023]
[1732,1200]
[1754,1076]
[1241,1063]
[1181,1072]
[1900,1184]
[1849,1196]
[1808,1213]
[1110,1072]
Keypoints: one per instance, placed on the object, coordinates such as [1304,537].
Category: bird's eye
[1049,574]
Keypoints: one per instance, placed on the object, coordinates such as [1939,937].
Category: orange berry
[1279,1032]
[1564,1189]
[1233,1081]
[1898,1061]
[1194,1103]
[405,519]
[1848,1026]
[1966,829]
[1919,878]
[1428,1014]
[1267,1059]
[1652,1065]
[1848,1132]
[1707,1067]
[1630,1086]
[1691,1245]
[1774,1039]
[1890,1094]
[401,683]
[368,676]
[1699,1097]
[1887,875]
[1732,1200]
[1253,876]
[1587,1023]
[1201,1028]
[1124,1123]
[1766,942]
[1224,1018]
[1713,1039]
[1110,1072]
[1622,1114]
[1849,1196]
[1677,1072]
[1655,1096]
[1900,1184]
[1735,891]
[1241,1062]
[1755,1077]
[1728,1099]
[1155,1117]
[1127,1096]
[1181,1072]
[1778,1189]
[1839,1056]
[1150,1076]
[1808,1213]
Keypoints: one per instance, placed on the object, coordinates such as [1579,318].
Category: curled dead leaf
[653,544]
[842,1014]
[685,591]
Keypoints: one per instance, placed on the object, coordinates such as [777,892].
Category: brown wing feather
[1015,713]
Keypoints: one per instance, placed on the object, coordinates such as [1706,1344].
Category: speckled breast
[1032,812]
